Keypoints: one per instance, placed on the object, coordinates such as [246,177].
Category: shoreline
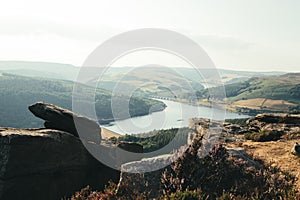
[108,121]
[106,134]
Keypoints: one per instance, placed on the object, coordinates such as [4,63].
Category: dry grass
[277,153]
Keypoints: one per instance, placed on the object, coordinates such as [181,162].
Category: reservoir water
[175,115]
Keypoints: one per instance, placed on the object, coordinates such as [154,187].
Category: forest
[18,92]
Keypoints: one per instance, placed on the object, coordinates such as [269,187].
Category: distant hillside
[227,76]
[147,81]
[40,69]
[284,87]
[273,93]
[17,92]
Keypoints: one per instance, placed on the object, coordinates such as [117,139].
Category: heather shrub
[219,175]
[239,121]
[264,136]
[110,193]
[88,194]
[215,176]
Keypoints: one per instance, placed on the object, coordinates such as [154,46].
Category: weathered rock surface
[144,175]
[51,164]
[274,118]
[296,149]
[62,119]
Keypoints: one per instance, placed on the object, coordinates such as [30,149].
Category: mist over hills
[69,72]
[40,69]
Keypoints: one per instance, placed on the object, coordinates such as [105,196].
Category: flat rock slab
[62,119]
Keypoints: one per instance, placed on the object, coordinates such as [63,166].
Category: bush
[219,175]
[157,139]
[239,121]
[88,194]
[216,176]
[264,136]
[188,195]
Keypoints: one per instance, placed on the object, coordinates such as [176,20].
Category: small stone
[296,149]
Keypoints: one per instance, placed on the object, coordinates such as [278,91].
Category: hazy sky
[260,35]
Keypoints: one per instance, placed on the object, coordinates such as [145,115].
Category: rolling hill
[40,69]
[145,81]
[17,92]
[149,81]
[264,94]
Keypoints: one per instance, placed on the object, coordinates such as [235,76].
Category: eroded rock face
[62,119]
[51,164]
[144,175]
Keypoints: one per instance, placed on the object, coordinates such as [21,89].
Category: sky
[253,35]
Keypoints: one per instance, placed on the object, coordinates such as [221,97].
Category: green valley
[18,92]
[262,94]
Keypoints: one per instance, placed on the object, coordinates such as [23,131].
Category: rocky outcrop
[274,118]
[237,129]
[273,126]
[144,176]
[51,164]
[62,119]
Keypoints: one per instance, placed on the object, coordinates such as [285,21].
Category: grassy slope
[154,81]
[272,93]
[285,87]
[17,92]
[157,81]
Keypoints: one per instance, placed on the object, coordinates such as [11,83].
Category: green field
[271,89]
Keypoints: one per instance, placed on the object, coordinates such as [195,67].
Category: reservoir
[175,115]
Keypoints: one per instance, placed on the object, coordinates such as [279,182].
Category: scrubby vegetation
[155,140]
[239,121]
[17,92]
[264,136]
[216,176]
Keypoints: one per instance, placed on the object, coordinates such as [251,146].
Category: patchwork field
[262,103]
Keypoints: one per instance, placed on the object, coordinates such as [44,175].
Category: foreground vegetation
[239,121]
[216,176]
[17,92]
[157,139]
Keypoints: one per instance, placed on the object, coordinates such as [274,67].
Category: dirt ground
[106,134]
